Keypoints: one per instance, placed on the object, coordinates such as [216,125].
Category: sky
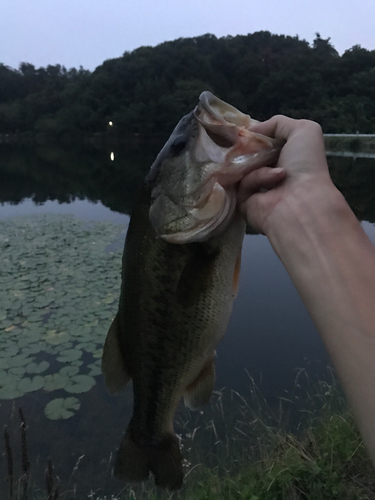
[84,33]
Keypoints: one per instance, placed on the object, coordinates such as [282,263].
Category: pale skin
[326,253]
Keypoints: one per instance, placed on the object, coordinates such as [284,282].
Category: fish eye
[178,144]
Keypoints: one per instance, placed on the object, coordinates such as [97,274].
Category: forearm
[332,263]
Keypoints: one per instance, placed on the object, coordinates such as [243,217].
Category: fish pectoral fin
[198,393]
[115,373]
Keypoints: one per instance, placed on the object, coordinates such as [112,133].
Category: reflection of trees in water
[67,174]
[355,178]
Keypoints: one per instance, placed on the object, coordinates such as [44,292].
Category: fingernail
[276,170]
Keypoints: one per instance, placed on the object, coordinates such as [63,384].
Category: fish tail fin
[135,462]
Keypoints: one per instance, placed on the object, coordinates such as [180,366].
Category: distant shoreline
[354,143]
[365,143]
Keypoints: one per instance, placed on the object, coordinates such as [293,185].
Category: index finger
[279,126]
[283,127]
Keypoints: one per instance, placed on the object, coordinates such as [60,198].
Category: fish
[180,274]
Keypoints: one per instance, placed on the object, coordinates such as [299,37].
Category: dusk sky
[84,33]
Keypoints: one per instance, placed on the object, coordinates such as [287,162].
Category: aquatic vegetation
[37,367]
[21,488]
[28,384]
[80,383]
[59,293]
[62,408]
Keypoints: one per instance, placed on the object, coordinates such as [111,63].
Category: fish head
[193,179]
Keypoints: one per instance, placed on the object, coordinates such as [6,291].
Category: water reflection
[113,177]
[355,178]
[270,334]
[84,209]
[63,175]
[350,154]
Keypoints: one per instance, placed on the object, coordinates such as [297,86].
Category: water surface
[270,337]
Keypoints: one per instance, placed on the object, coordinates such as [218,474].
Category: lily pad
[30,384]
[19,360]
[10,393]
[69,355]
[69,371]
[8,386]
[18,370]
[10,351]
[56,338]
[32,349]
[55,381]
[62,408]
[80,383]
[4,363]
[95,369]
[37,367]
[28,338]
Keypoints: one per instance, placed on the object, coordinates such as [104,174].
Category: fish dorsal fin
[198,393]
[236,274]
[115,373]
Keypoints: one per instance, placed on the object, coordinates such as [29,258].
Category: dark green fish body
[179,316]
[178,283]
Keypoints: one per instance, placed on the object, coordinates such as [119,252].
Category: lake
[63,220]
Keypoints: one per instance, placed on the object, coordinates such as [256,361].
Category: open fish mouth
[219,149]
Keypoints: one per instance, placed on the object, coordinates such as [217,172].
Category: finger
[258,180]
[278,126]
[283,127]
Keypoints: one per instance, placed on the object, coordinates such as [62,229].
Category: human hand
[301,171]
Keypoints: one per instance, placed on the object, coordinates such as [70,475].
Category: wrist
[311,215]
[325,251]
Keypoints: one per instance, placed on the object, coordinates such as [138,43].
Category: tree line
[145,92]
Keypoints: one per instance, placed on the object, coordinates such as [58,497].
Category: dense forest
[146,91]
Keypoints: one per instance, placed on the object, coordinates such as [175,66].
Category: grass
[262,460]
[242,449]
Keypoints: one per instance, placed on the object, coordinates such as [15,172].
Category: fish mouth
[230,129]
[224,150]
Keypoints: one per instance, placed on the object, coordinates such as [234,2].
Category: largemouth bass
[181,264]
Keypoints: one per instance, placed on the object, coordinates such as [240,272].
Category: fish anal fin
[134,462]
[236,274]
[113,368]
[198,393]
